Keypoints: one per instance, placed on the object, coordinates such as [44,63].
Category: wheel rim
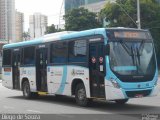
[81,94]
[26,90]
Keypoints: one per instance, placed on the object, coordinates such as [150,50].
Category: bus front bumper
[113,93]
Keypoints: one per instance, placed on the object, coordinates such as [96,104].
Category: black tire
[80,95]
[27,92]
[122,101]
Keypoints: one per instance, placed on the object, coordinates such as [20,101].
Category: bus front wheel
[122,101]
[80,95]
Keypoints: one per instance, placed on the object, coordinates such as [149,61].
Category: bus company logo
[73,72]
[77,72]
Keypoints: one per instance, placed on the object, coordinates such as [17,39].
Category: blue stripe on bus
[24,43]
[63,81]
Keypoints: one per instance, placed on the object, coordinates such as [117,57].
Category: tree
[51,29]
[80,19]
[123,13]
[26,36]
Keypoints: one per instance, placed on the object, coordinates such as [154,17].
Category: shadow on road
[110,107]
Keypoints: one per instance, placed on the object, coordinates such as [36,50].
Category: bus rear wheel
[27,92]
[80,95]
[122,101]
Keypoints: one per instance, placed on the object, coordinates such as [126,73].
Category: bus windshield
[132,58]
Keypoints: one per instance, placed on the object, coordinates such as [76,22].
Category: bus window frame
[49,53]
[23,57]
[10,65]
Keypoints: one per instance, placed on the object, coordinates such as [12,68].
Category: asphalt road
[12,102]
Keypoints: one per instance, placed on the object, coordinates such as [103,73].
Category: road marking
[8,107]
[35,111]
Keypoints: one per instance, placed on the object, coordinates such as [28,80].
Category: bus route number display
[130,34]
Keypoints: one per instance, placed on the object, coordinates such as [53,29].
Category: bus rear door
[41,69]
[16,68]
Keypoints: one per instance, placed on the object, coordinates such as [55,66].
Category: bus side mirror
[107,49]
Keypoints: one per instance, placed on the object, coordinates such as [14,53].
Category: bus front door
[41,69]
[16,69]
[97,70]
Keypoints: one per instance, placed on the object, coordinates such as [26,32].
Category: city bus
[110,64]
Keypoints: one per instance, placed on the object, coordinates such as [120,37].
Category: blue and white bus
[114,64]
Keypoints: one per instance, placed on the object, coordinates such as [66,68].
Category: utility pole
[138,15]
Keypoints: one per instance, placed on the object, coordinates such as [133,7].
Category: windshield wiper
[141,47]
[140,50]
[130,52]
[126,47]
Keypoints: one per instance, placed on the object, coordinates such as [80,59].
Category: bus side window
[78,51]
[59,53]
[29,55]
[6,57]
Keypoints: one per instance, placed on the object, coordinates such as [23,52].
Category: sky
[51,8]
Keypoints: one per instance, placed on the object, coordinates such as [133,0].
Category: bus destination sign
[130,34]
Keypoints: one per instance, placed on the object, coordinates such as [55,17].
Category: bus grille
[141,93]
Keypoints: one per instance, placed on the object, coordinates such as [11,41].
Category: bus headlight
[115,83]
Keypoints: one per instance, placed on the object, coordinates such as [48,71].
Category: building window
[59,52]
[78,51]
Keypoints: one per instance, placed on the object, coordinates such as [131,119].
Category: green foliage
[118,16]
[51,29]
[80,19]
[26,35]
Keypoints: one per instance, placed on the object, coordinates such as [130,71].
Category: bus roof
[57,36]
[64,36]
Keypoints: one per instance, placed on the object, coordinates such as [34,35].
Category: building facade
[95,7]
[7,21]
[70,4]
[19,26]
[37,25]
[92,1]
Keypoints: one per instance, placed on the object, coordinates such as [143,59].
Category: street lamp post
[138,15]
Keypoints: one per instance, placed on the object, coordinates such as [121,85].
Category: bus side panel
[7,77]
[30,74]
[77,72]
[57,79]
[60,79]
